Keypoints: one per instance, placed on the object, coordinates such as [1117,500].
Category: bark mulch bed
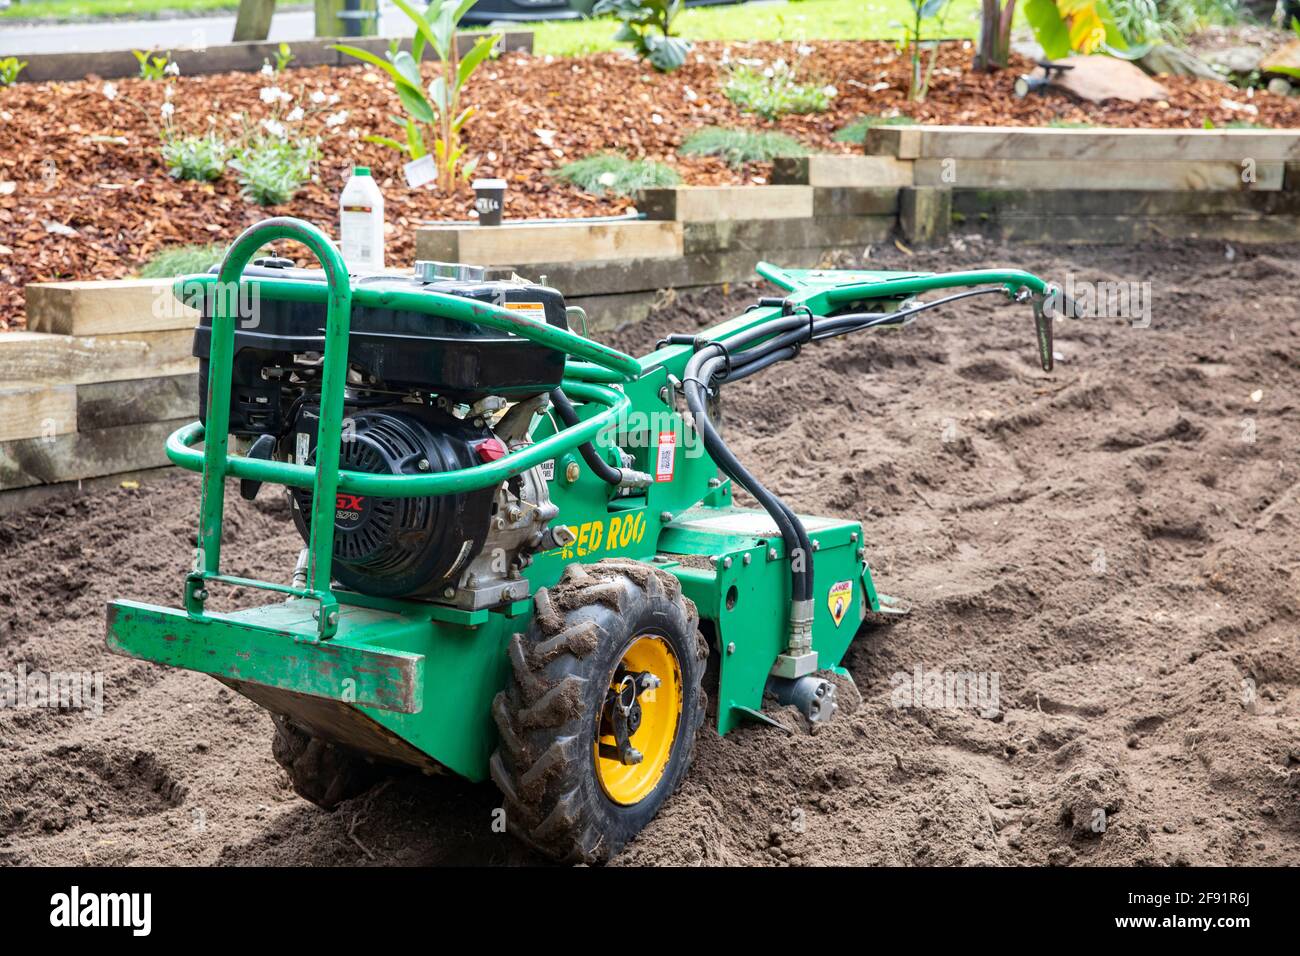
[78,203]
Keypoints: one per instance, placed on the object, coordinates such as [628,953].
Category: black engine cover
[401,350]
[398,547]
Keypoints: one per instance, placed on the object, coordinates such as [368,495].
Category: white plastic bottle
[361,223]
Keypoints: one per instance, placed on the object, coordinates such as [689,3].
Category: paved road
[287,25]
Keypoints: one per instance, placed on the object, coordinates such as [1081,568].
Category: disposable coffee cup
[489,199]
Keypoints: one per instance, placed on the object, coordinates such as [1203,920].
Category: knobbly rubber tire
[322,772]
[547,716]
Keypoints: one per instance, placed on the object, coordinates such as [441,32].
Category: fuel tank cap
[430,270]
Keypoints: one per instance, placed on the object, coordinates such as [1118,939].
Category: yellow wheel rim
[661,711]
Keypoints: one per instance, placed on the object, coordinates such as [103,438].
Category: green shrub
[200,158]
[613,173]
[10,67]
[155,67]
[648,26]
[741,146]
[775,91]
[856,131]
[272,169]
[283,57]
[182,260]
[1143,22]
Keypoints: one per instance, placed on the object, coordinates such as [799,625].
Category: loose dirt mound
[1116,542]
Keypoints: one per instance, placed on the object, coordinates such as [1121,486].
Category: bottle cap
[360,170]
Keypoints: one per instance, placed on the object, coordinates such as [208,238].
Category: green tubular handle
[180,452]
[324,478]
[216,462]
[1013,279]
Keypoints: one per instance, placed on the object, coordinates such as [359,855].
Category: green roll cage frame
[595,378]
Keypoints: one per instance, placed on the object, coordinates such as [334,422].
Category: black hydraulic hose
[599,466]
[748,368]
[866,320]
[778,339]
[705,370]
[788,525]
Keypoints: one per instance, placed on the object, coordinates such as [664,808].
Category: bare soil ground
[1117,541]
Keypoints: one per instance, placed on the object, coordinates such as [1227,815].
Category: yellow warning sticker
[839,600]
[532,310]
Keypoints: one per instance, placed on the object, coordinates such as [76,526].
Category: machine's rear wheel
[610,671]
[322,772]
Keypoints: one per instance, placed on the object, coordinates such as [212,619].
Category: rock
[1099,78]
[1171,60]
[1235,59]
[1284,61]
[1279,86]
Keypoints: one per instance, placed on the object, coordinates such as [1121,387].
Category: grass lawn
[796,20]
[56,10]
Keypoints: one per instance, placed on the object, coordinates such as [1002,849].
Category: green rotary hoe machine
[521,549]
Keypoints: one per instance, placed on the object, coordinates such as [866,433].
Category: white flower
[173,69]
[830,90]
[656,119]
[333,98]
[769,73]
[167,110]
[336,119]
[317,97]
[285,96]
[168,92]
[805,49]
[690,94]
[268,70]
[273,127]
[110,91]
[295,114]
[269,94]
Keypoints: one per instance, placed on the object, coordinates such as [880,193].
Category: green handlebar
[838,292]
[217,464]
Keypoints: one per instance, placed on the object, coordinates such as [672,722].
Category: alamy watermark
[133,911]
[241,300]
[946,690]
[1080,299]
[56,690]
